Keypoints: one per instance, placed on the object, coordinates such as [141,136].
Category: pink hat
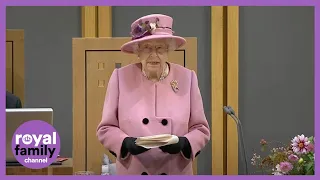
[154,26]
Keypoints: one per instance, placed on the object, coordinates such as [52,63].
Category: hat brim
[178,42]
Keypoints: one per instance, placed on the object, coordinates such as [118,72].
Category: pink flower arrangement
[296,158]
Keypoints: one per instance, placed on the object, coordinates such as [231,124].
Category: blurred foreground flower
[294,158]
[300,144]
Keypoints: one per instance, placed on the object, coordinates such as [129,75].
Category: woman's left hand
[183,145]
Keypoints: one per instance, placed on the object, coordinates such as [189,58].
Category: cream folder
[156,140]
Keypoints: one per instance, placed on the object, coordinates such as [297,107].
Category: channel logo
[36,144]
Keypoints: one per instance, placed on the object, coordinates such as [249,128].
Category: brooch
[174,85]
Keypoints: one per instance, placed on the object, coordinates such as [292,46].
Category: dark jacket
[12,101]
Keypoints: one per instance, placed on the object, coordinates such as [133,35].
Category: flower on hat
[143,29]
[153,26]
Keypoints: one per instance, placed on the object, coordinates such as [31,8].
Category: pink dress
[135,106]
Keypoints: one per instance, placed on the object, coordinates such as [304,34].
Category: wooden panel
[218,89]
[100,65]
[232,91]
[9,68]
[89,21]
[104,21]
[88,156]
[96,21]
[16,37]
[177,57]
[64,169]
[79,107]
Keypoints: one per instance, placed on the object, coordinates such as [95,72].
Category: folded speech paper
[156,140]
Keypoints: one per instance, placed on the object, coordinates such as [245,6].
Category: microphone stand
[230,112]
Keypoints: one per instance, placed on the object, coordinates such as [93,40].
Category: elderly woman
[153,97]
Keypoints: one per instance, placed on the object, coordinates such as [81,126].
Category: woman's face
[153,55]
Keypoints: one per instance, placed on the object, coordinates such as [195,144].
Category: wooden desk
[65,169]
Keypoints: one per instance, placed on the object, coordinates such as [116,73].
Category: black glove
[182,146]
[129,145]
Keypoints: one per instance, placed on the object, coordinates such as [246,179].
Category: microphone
[228,110]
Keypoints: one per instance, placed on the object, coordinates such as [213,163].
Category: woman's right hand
[130,145]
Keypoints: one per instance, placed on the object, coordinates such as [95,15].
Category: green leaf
[306,157]
[310,139]
[295,172]
[310,172]
[309,166]
[310,156]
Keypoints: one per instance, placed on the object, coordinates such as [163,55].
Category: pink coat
[131,97]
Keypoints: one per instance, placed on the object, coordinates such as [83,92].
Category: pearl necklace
[163,75]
